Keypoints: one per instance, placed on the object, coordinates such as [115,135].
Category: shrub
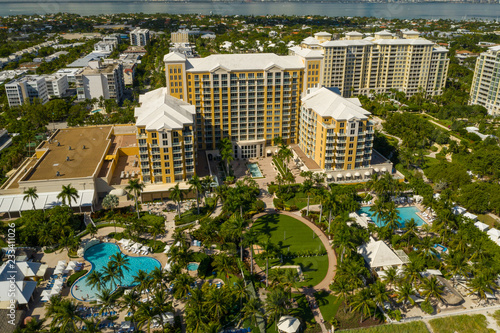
[259,205]
[394,315]
[75,277]
[272,188]
[427,307]
[278,204]
[205,267]
[293,207]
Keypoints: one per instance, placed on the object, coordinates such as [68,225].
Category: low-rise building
[101,78]
[70,73]
[25,89]
[105,46]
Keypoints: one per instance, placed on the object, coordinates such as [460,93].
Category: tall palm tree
[234,227]
[145,315]
[379,293]
[142,281]
[456,263]
[481,284]
[34,326]
[341,287]
[66,316]
[156,228]
[110,202]
[182,285]
[378,210]
[405,292]
[91,325]
[121,262]
[285,153]
[277,305]
[251,311]
[307,187]
[107,301]
[112,274]
[250,238]
[177,196]
[226,151]
[130,302]
[67,194]
[197,186]
[30,194]
[217,302]
[431,288]
[69,241]
[135,188]
[269,249]
[95,280]
[225,264]
[411,230]
[158,277]
[363,303]
[391,276]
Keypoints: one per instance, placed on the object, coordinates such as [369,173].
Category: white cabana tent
[136,246]
[12,281]
[167,249]
[377,254]
[457,210]
[494,232]
[167,267]
[59,270]
[71,266]
[288,324]
[481,226]
[470,216]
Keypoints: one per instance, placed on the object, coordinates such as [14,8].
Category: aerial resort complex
[191,173]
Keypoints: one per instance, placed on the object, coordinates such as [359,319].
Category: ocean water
[98,255]
[405,213]
[454,11]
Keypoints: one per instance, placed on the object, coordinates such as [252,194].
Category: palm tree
[307,187]
[391,276]
[226,264]
[285,154]
[182,285]
[378,210]
[234,227]
[269,249]
[112,274]
[142,281]
[135,188]
[251,311]
[67,194]
[69,241]
[34,326]
[107,301]
[110,202]
[121,262]
[380,294]
[156,228]
[66,316]
[92,229]
[456,263]
[145,315]
[481,284]
[250,238]
[95,280]
[158,277]
[432,288]
[411,229]
[30,194]
[405,292]
[277,305]
[342,288]
[363,303]
[217,302]
[196,185]
[226,151]
[130,302]
[91,326]
[177,196]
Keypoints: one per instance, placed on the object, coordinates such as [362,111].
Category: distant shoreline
[267,1]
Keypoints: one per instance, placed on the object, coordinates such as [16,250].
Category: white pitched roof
[378,254]
[244,62]
[322,33]
[174,56]
[306,53]
[159,110]
[326,103]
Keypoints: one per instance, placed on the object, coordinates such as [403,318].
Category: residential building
[139,37]
[92,56]
[181,36]
[129,73]
[379,64]
[113,38]
[105,46]
[250,98]
[101,78]
[70,73]
[57,85]
[5,140]
[165,137]
[485,89]
[25,89]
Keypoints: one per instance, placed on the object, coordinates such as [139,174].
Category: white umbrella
[168,317]
[288,324]
[45,293]
[167,267]
[61,263]
[167,249]
[71,266]
[126,242]
[125,324]
[45,298]
[58,270]
[136,246]
[364,214]
[145,248]
[58,282]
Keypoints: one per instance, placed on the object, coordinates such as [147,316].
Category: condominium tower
[485,89]
[139,37]
[165,137]
[101,78]
[379,64]
[25,89]
[250,98]
[335,131]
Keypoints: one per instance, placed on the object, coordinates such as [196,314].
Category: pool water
[193,266]
[405,213]
[95,111]
[254,170]
[98,255]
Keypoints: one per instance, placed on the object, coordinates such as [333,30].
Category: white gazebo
[288,324]
[378,255]
[494,233]
[481,226]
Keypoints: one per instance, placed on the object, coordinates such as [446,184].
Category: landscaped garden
[413,327]
[295,244]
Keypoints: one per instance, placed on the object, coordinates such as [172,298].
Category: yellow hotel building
[336,133]
[250,98]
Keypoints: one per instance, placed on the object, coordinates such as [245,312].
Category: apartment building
[101,78]
[250,98]
[165,137]
[180,37]
[139,37]
[485,89]
[335,131]
[25,89]
[379,64]
[57,85]
[105,46]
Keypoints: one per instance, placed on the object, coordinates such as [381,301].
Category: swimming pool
[254,170]
[192,266]
[95,111]
[98,255]
[405,213]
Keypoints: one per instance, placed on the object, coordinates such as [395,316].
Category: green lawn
[299,238]
[328,304]
[300,200]
[485,218]
[461,324]
[496,316]
[413,327]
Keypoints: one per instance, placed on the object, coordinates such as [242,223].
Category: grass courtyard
[461,324]
[413,327]
[293,237]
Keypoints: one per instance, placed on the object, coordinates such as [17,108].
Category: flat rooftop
[82,162]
